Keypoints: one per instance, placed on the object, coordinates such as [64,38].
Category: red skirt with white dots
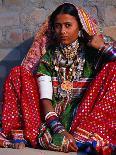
[96,116]
[21,104]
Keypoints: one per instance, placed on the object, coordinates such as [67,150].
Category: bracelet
[53,122]
[14,141]
[49,114]
[17,136]
[108,49]
[103,47]
[61,131]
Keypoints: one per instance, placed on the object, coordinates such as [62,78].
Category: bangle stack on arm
[17,136]
[109,50]
[53,122]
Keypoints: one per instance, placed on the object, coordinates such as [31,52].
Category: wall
[20,19]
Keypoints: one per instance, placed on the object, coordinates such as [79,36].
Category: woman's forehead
[65,18]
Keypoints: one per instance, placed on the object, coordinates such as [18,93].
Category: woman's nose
[63,30]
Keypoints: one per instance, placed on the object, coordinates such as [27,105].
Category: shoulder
[49,54]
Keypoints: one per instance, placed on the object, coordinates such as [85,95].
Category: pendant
[66,85]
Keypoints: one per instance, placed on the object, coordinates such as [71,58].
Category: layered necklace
[70,51]
[69,61]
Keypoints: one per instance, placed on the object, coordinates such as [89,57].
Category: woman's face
[66,28]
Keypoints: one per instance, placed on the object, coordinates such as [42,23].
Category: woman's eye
[68,25]
[57,26]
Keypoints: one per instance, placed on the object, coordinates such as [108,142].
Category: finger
[21,145]
[16,146]
[13,146]
[73,145]
[65,148]
[73,148]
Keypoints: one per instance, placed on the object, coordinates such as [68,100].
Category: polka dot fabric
[97,111]
[21,104]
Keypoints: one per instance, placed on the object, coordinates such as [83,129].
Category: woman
[64,72]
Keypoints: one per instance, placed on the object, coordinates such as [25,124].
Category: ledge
[31,151]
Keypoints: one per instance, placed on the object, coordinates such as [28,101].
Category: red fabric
[21,104]
[97,111]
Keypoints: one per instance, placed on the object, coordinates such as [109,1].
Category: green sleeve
[45,65]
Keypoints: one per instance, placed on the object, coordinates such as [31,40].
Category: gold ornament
[67,85]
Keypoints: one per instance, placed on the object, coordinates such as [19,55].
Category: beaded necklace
[69,61]
[70,51]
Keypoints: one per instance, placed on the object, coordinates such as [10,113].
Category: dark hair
[70,9]
[65,8]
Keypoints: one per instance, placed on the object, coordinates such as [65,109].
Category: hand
[19,145]
[96,42]
[72,143]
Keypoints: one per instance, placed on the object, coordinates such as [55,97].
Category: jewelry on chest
[67,85]
[69,70]
[69,66]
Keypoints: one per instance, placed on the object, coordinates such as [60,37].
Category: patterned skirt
[94,120]
[97,111]
[21,104]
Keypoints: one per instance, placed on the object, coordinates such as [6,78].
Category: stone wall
[20,19]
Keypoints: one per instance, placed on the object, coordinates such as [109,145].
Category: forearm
[46,106]
[109,50]
[56,126]
[51,118]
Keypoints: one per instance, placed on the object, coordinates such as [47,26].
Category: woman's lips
[63,37]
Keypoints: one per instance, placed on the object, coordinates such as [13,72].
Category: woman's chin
[64,42]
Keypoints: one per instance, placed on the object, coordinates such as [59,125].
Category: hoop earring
[80,33]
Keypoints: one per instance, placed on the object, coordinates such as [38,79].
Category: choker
[69,51]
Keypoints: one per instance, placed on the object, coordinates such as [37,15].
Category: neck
[70,51]
[73,44]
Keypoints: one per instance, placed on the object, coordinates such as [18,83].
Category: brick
[110,31]
[10,54]
[9,18]
[110,15]
[13,35]
[39,4]
[75,2]
[27,33]
[101,2]
[15,3]
[33,17]
[52,4]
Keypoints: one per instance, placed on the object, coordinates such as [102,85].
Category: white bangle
[62,130]
[49,114]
